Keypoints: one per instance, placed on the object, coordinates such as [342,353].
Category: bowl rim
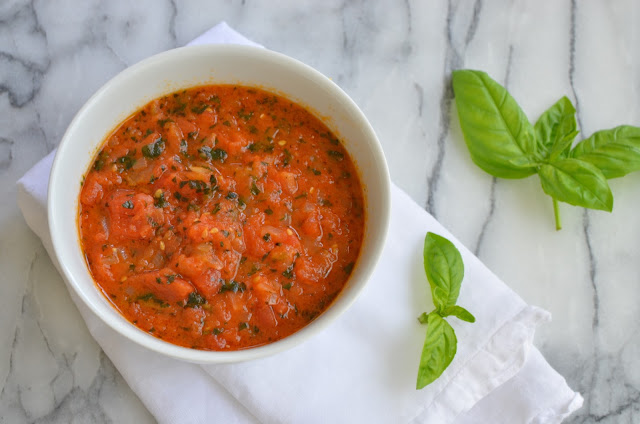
[133,333]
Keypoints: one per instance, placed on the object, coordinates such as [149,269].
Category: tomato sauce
[221,217]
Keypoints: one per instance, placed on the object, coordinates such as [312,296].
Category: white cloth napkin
[363,367]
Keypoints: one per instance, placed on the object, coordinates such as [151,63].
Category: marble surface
[394,58]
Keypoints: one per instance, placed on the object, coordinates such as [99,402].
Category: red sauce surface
[221,217]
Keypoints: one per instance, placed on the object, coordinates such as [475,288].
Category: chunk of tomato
[132,215]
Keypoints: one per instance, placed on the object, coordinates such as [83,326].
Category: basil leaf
[458,312]
[207,152]
[616,152]
[562,147]
[439,348]
[556,128]
[576,182]
[445,271]
[194,300]
[444,268]
[497,132]
[154,149]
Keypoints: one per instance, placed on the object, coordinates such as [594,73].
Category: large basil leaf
[576,182]
[444,268]
[556,129]
[440,346]
[497,132]
[616,152]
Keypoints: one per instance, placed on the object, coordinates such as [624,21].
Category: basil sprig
[445,271]
[503,143]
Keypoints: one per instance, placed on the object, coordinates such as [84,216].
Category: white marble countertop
[394,59]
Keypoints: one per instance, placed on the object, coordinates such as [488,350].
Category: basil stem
[556,214]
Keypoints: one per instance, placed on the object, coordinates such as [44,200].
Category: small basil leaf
[498,134]
[562,147]
[154,149]
[423,318]
[440,345]
[576,182]
[616,152]
[554,125]
[444,268]
[459,312]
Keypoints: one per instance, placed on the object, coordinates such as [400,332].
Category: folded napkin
[363,367]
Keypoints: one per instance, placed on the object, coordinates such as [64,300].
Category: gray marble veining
[395,59]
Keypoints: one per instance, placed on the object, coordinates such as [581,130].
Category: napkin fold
[363,367]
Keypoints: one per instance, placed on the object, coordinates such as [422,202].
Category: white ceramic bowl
[198,65]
